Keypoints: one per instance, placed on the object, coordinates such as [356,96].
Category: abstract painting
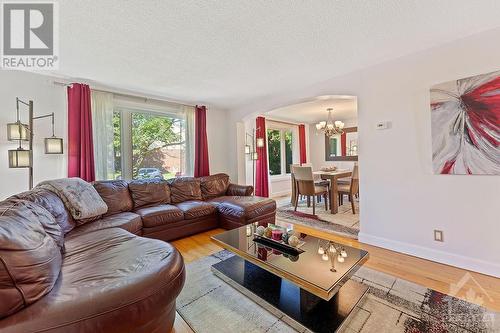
[465,117]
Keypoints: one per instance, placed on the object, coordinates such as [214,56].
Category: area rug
[210,305]
[344,223]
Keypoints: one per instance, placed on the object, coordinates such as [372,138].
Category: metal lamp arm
[46,116]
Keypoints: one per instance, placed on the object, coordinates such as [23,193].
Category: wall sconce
[22,158]
[247,149]
[260,142]
[255,156]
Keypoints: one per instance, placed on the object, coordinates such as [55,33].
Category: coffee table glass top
[309,269]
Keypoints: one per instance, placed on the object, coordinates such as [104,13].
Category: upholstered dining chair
[304,181]
[350,189]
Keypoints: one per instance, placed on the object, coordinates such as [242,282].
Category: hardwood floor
[477,288]
[193,248]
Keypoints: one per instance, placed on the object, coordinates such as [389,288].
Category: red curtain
[201,167]
[262,174]
[302,144]
[80,141]
[343,144]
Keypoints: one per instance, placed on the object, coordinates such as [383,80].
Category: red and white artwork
[466,126]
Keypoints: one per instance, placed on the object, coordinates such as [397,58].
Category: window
[117,145]
[150,144]
[158,146]
[280,151]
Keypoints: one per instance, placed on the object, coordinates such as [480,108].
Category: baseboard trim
[443,257]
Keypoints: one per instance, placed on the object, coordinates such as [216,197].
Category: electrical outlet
[438,235]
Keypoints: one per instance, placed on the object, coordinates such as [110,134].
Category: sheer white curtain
[189,116]
[102,128]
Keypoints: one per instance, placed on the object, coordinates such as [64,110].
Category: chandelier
[330,127]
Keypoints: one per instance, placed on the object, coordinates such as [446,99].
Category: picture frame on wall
[465,125]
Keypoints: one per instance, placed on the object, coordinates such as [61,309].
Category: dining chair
[292,176]
[304,181]
[317,180]
[350,189]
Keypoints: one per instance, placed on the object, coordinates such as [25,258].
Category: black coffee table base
[299,308]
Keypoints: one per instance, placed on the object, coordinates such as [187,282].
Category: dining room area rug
[392,305]
[344,223]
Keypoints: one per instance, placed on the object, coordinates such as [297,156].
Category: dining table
[332,176]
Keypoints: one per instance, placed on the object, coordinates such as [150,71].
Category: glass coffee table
[309,286]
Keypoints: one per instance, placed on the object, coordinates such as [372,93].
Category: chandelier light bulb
[340,258]
[324,257]
[343,253]
[332,249]
[321,250]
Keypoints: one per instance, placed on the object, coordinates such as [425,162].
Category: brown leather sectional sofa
[57,275]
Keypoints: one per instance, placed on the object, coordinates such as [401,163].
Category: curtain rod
[64,84]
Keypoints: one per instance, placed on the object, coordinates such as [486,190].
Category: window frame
[126,140]
[282,131]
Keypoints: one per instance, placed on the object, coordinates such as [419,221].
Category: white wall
[47,98]
[403,201]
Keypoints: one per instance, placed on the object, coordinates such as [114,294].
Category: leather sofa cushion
[116,195]
[244,207]
[159,215]
[30,260]
[51,202]
[185,189]
[195,209]
[39,215]
[239,190]
[129,221]
[214,185]
[111,280]
[149,192]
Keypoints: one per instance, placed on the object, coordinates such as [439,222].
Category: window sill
[278,178]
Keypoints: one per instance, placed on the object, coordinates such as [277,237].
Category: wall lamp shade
[247,149]
[19,158]
[17,131]
[260,142]
[53,145]
[255,156]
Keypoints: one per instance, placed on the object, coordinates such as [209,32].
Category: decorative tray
[279,245]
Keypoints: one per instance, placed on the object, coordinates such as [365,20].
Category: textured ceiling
[344,108]
[230,53]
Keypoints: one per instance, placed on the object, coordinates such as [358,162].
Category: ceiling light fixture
[330,127]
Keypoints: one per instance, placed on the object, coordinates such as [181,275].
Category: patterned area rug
[210,305]
[344,222]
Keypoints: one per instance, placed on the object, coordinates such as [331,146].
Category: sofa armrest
[239,190]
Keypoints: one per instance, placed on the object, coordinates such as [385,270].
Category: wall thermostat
[381,125]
